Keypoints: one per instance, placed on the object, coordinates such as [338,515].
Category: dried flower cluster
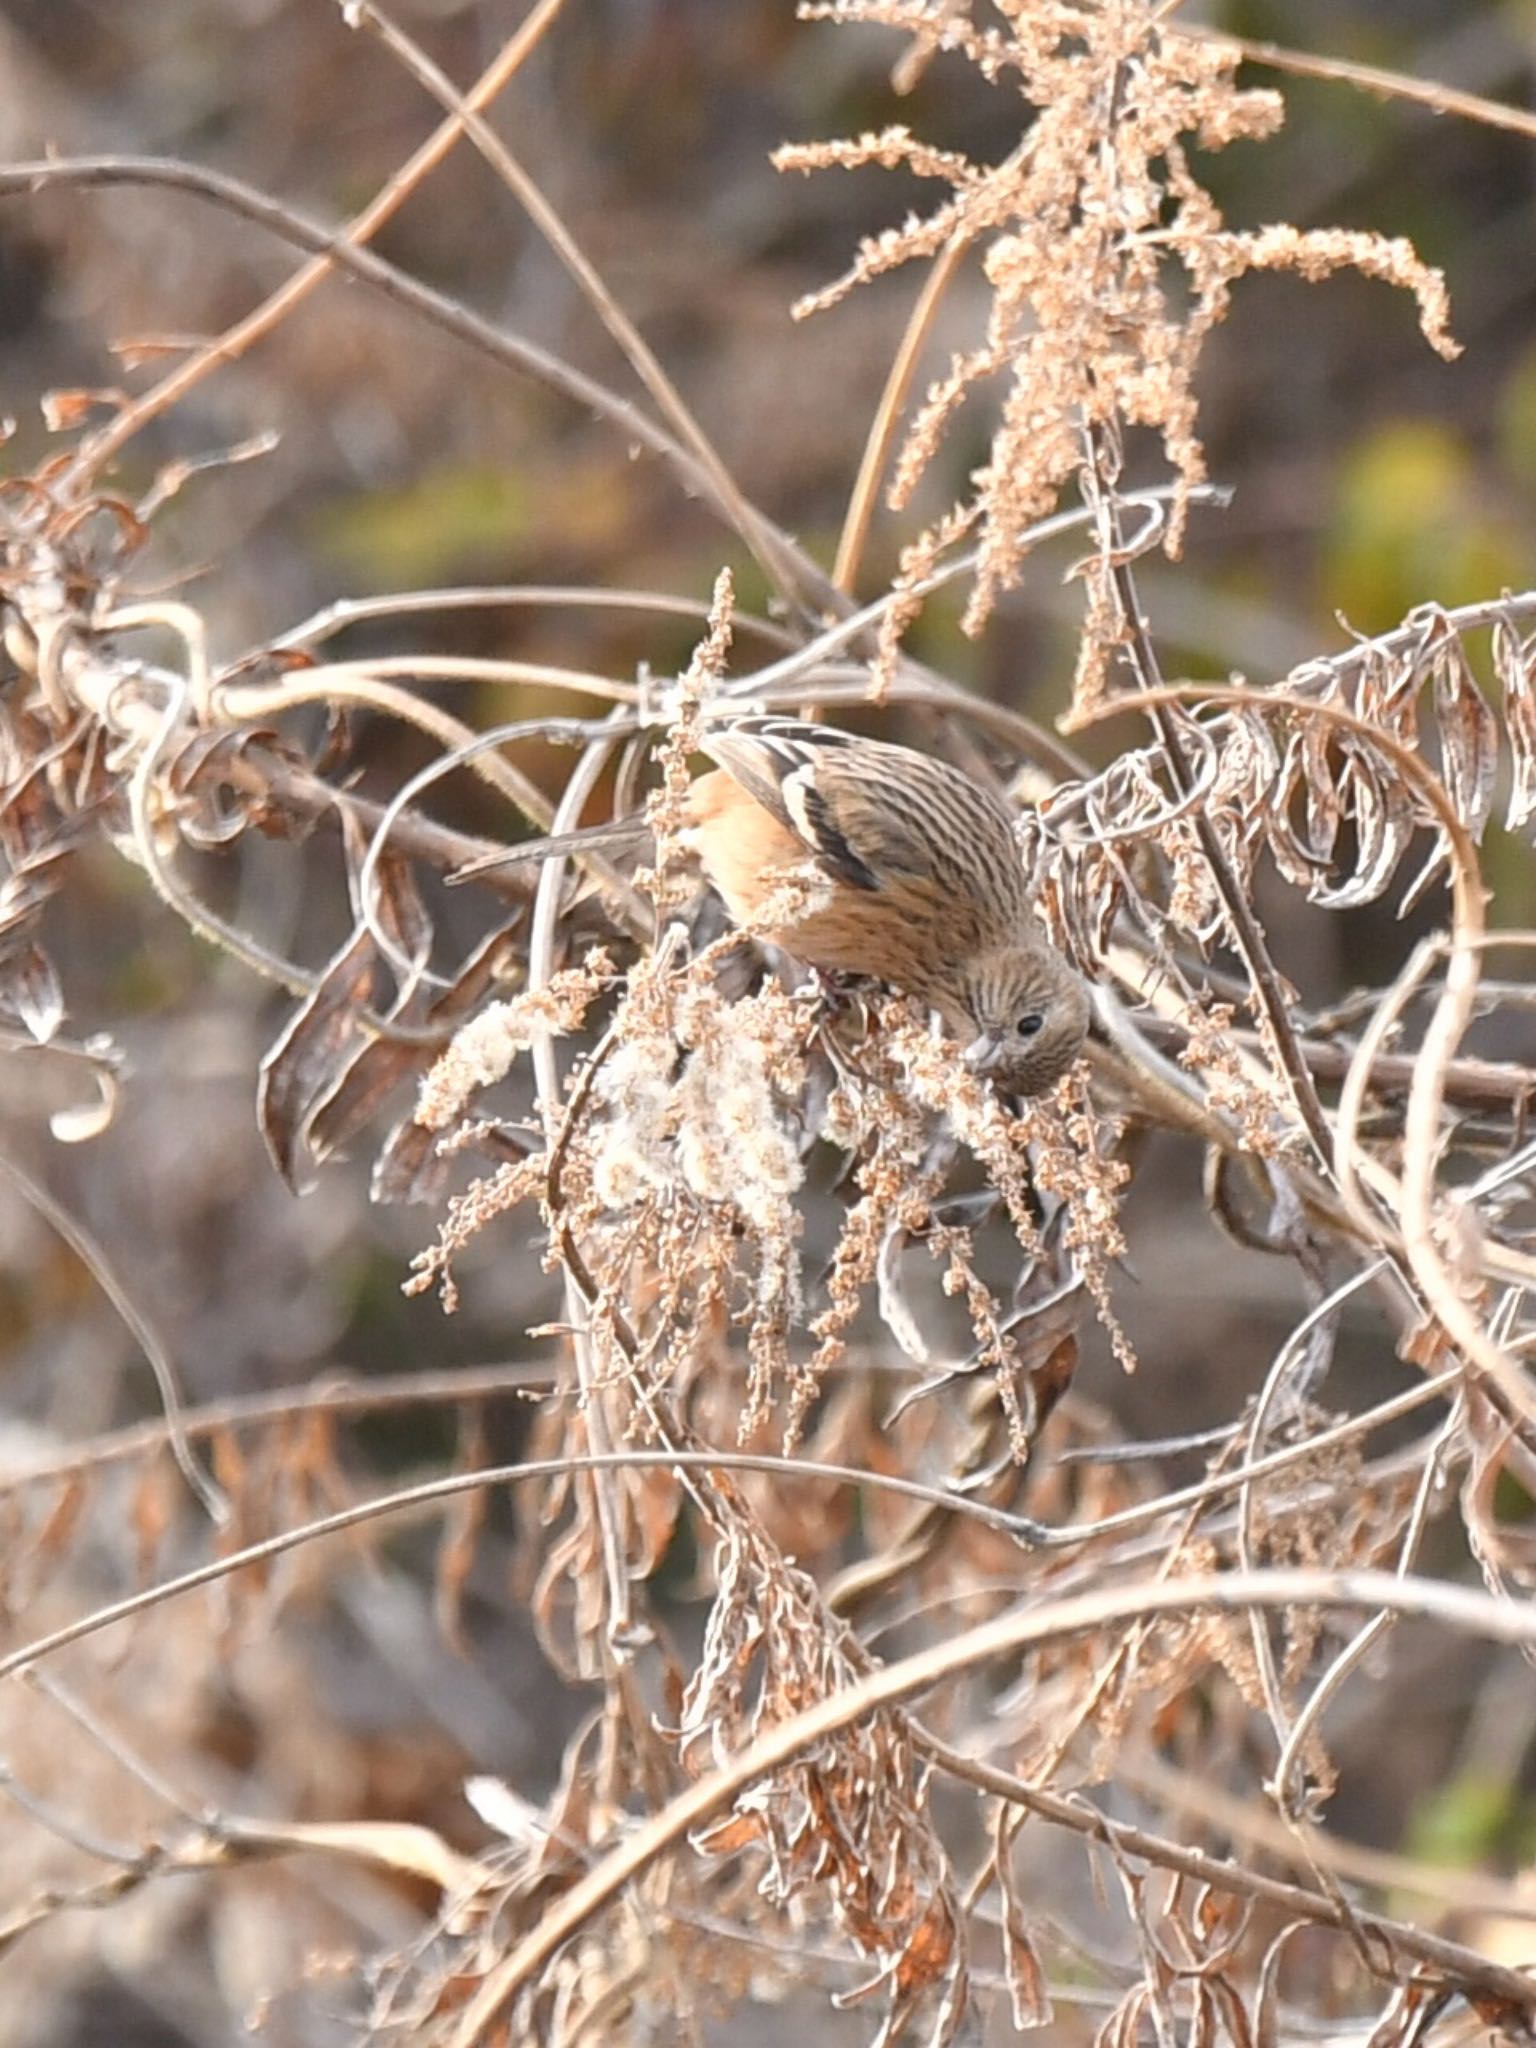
[852,1575]
[1107,262]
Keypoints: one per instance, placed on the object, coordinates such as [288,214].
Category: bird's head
[1028,1012]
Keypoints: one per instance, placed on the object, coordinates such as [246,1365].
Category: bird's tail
[619,832]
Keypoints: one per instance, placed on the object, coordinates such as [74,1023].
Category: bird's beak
[983,1054]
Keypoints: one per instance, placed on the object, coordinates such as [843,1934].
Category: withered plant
[910,1695]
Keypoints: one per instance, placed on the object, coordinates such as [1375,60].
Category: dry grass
[874,1624]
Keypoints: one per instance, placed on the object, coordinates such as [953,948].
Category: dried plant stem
[92,1255]
[1247,936]
[1457,1607]
[1491,1085]
[624,1633]
[1424,620]
[257,772]
[508,351]
[882,432]
[240,699]
[1460,1965]
[777,560]
[150,731]
[189,697]
[1443,1885]
[1446,1290]
[100,448]
[337,1396]
[1372,78]
[367,1397]
[572,1258]
[1287,1783]
[345,612]
[1349,1154]
[1453,1012]
[450,1486]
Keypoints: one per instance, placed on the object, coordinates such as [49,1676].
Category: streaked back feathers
[872,812]
[927,883]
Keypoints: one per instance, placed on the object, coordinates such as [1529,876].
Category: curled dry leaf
[1515,662]
[301,1070]
[1469,736]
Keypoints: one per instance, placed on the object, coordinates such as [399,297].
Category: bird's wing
[783,764]
[873,814]
[763,753]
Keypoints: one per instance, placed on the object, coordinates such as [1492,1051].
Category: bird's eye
[1029,1024]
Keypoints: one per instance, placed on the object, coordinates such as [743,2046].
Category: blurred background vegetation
[1369,477]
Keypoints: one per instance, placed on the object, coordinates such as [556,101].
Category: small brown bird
[913,876]
[864,858]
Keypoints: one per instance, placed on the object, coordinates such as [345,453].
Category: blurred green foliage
[1472,1819]
[1412,523]
[466,517]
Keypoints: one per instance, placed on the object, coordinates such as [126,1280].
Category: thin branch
[779,562]
[92,1255]
[345,612]
[1372,78]
[1193,1794]
[506,350]
[451,1485]
[1459,1608]
[100,447]
[1460,1965]
[598,1400]
[1471,1083]
[341,1395]
[1247,935]
[882,432]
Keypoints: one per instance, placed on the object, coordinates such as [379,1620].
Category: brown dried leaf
[576,1813]
[395,907]
[30,991]
[1515,660]
[1325,808]
[61,1520]
[1266,2004]
[409,1167]
[727,1837]
[1409,2012]
[369,1078]
[654,1501]
[462,1527]
[150,1513]
[384,1064]
[214,807]
[1382,831]
[63,411]
[1469,737]
[303,1067]
[930,1948]
[1232,2016]
[399,910]
[1027,1991]
[1293,855]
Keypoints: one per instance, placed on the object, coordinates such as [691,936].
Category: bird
[861,857]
